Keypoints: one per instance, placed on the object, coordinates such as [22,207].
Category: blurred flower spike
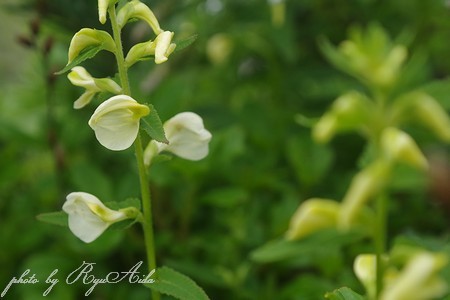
[364,186]
[369,55]
[89,217]
[187,138]
[349,112]
[418,279]
[311,216]
[160,48]
[116,121]
[399,146]
[80,77]
[137,10]
[88,37]
[317,214]
[426,110]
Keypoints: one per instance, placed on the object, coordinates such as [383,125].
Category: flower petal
[116,122]
[88,216]
[187,136]
[83,100]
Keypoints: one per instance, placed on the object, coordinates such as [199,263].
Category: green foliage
[153,126]
[87,53]
[343,294]
[184,43]
[177,285]
[55,218]
[321,244]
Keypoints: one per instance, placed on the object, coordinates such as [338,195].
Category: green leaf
[184,43]
[55,218]
[344,293]
[153,126]
[309,171]
[281,249]
[87,53]
[177,285]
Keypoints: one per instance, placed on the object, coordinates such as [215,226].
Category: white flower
[80,77]
[138,10]
[187,138]
[164,46]
[116,121]
[88,216]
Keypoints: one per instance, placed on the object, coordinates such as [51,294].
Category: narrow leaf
[281,249]
[87,53]
[153,126]
[343,293]
[177,285]
[184,43]
[55,218]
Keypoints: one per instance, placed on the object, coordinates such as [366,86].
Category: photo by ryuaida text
[225,149]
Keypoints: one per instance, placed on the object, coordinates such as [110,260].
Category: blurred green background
[253,69]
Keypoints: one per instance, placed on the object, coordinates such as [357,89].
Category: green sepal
[134,202]
[56,218]
[184,43]
[87,53]
[177,285]
[160,158]
[130,202]
[344,293]
[153,126]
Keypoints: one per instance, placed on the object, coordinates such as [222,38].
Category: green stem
[123,75]
[147,223]
[380,240]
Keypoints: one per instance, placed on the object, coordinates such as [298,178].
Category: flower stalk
[147,223]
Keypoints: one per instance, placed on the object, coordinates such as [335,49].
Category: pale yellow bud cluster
[417,279]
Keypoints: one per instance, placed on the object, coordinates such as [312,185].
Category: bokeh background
[257,77]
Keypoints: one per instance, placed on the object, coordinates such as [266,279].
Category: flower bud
[399,146]
[161,48]
[102,10]
[138,10]
[278,12]
[325,129]
[187,138]
[311,216]
[80,77]
[87,37]
[89,217]
[388,71]
[431,113]
[349,111]
[364,185]
[365,267]
[116,122]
